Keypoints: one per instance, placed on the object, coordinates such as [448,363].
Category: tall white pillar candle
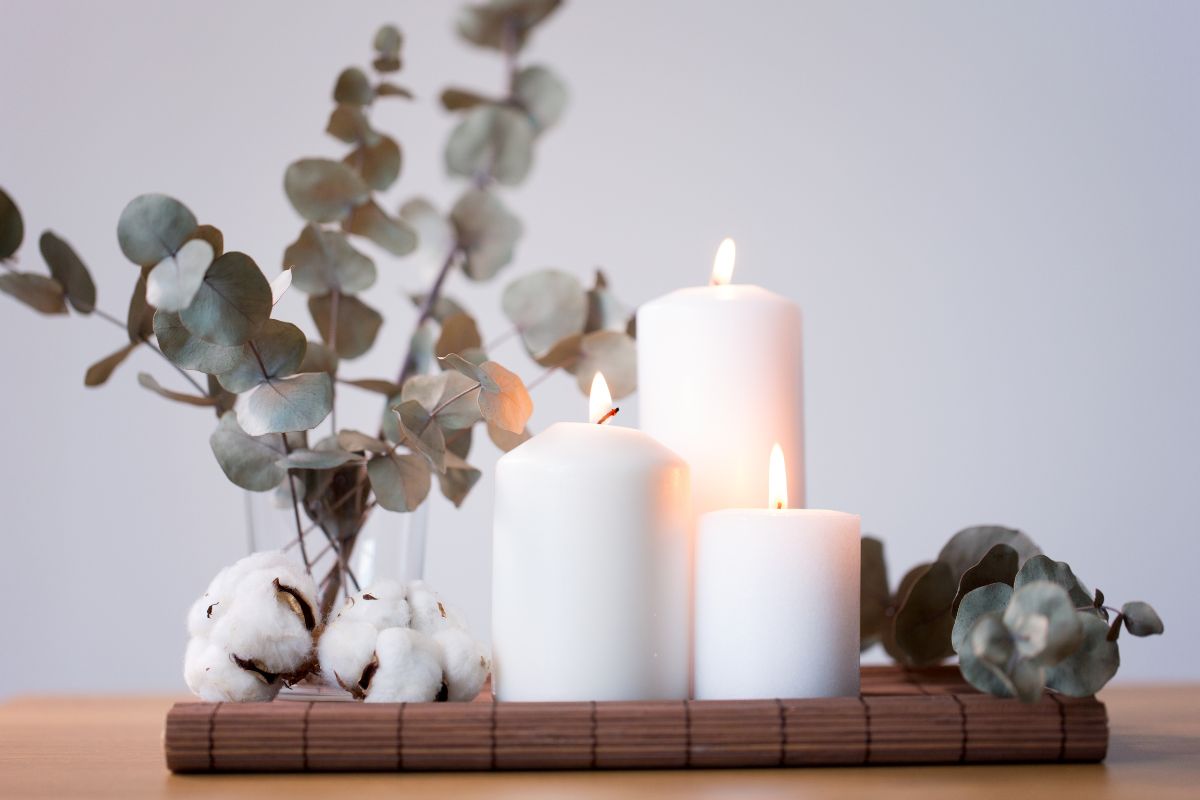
[720,379]
[591,567]
[777,603]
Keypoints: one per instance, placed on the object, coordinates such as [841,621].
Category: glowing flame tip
[722,271]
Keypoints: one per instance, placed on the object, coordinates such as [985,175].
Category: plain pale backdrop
[989,213]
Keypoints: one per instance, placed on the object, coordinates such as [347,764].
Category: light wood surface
[66,747]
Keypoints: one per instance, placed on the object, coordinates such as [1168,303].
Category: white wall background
[988,211]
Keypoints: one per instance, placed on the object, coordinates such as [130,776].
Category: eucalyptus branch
[104,315]
[287,448]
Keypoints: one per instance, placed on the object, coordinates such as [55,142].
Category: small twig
[501,339]
[104,315]
[295,503]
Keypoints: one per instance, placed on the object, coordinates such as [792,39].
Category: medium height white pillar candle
[591,568]
[720,379]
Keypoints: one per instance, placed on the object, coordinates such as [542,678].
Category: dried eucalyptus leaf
[377,385]
[443,308]
[276,351]
[251,462]
[449,396]
[323,260]
[492,140]
[139,319]
[154,227]
[985,677]
[12,227]
[1043,568]
[503,24]
[968,546]
[318,358]
[233,303]
[353,87]
[998,565]
[390,233]
[1091,665]
[874,595]
[1141,619]
[190,352]
[507,440]
[605,311]
[564,354]
[147,381]
[990,599]
[318,459]
[279,286]
[175,281]
[280,405]
[459,333]
[39,292]
[357,441]
[923,622]
[348,123]
[212,235]
[546,307]
[470,369]
[458,99]
[378,162]
[401,482]
[99,373]
[508,406]
[322,190]
[991,640]
[543,96]
[388,40]
[612,353]
[69,271]
[1043,622]
[436,240]
[486,232]
[419,431]
[458,442]
[458,479]
[223,400]
[357,323]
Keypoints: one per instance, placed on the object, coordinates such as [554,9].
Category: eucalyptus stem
[287,448]
[104,315]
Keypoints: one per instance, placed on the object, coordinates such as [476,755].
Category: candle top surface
[729,292]
[586,444]
[804,513]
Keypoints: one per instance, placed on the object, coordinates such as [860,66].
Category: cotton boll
[465,663]
[267,623]
[382,605]
[429,614]
[344,651]
[211,674]
[410,669]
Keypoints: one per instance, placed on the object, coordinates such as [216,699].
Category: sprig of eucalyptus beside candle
[1018,621]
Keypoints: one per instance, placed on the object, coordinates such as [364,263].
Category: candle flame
[722,270]
[600,400]
[777,479]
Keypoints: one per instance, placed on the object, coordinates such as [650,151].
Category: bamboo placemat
[903,717]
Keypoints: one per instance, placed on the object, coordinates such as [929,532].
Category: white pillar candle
[777,601]
[591,566]
[719,380]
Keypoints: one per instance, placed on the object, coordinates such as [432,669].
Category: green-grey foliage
[12,226]
[66,268]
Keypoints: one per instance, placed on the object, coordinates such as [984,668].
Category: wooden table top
[65,747]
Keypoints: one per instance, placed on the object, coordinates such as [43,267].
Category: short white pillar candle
[777,603]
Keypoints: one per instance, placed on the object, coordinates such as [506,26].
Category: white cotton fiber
[345,650]
[262,623]
[382,605]
[410,669]
[212,675]
[430,614]
[465,663]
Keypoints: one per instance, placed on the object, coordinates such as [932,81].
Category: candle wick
[612,412]
[779,505]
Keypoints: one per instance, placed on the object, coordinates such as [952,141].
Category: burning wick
[612,412]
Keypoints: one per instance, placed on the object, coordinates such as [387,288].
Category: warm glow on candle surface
[723,263]
[777,479]
[600,400]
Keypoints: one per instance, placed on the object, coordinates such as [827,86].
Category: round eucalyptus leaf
[1141,619]
[436,240]
[612,353]
[69,271]
[1091,666]
[385,89]
[458,99]
[546,307]
[998,565]
[378,162]
[508,406]
[357,441]
[448,396]
[325,458]
[12,227]
[1043,568]
[233,302]
[212,235]
[458,479]
[357,323]
[322,260]
[507,440]
[470,369]
[984,676]
[353,87]
[153,227]
[401,482]
[541,94]
[390,233]
[991,640]
[191,352]
[968,546]
[874,595]
[318,358]
[248,461]
[322,190]
[486,232]
[99,373]
[458,443]
[39,292]
[139,319]
[459,333]
[504,25]
[990,599]
[224,401]
[377,385]
[1043,622]
[147,381]
[443,308]
[276,351]
[605,311]
[175,281]
[420,431]
[492,140]
[348,123]
[280,405]
[1029,680]
[923,622]
[565,353]
[888,638]
[388,40]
